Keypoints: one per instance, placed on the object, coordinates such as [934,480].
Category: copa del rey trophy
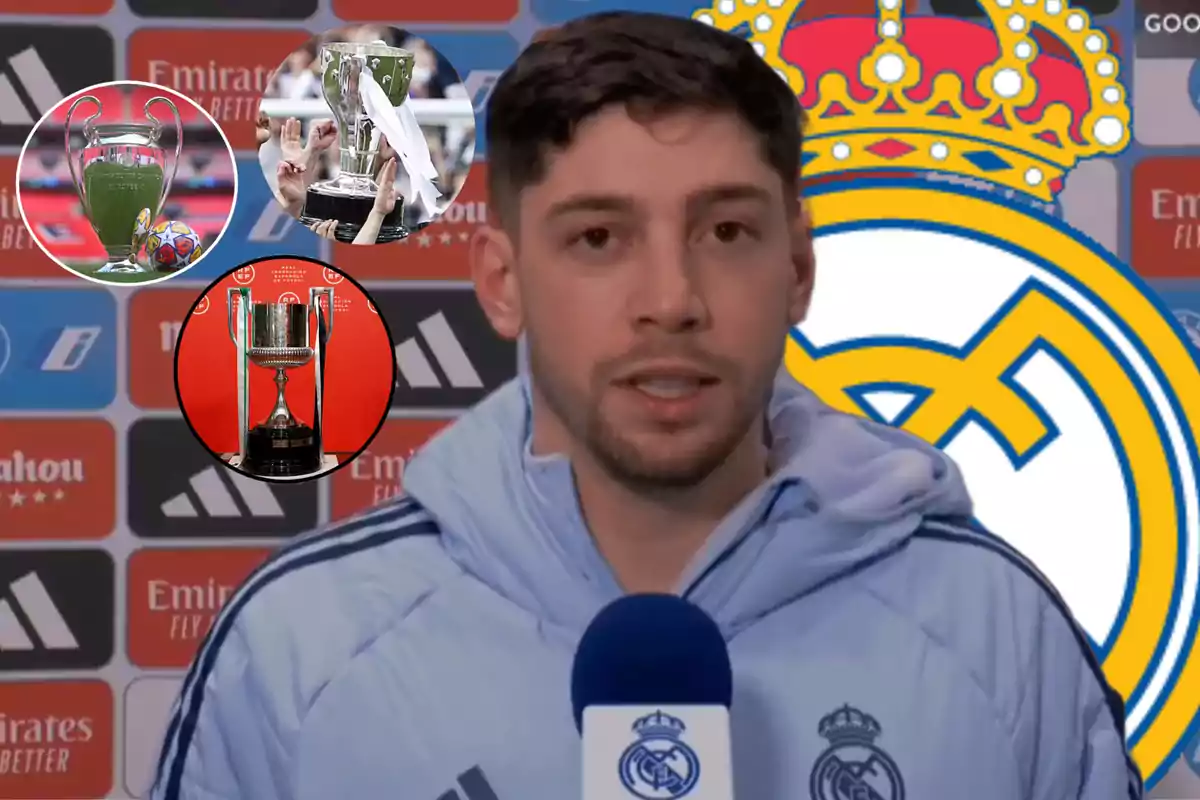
[279,337]
[122,172]
[366,86]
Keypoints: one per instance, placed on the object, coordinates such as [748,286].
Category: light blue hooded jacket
[422,651]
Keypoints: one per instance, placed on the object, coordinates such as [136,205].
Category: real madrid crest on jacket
[854,765]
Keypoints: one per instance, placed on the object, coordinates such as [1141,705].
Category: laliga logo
[1040,363]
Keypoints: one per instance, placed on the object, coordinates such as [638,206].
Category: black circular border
[179,397]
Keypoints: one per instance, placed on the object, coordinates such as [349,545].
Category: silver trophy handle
[231,293]
[315,299]
[178,146]
[87,123]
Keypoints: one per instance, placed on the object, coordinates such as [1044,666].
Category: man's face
[659,268]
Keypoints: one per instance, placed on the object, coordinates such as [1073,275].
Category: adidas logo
[36,82]
[415,368]
[44,619]
[474,785]
[216,494]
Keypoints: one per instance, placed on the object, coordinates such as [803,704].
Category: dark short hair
[651,64]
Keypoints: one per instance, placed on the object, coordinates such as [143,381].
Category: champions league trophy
[277,336]
[123,170]
[365,86]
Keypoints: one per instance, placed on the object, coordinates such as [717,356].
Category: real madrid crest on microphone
[659,765]
[936,163]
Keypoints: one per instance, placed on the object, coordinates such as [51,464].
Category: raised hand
[325,228]
[292,187]
[290,147]
[385,201]
[385,150]
[322,133]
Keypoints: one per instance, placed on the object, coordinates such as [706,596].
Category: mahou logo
[47,472]
[56,479]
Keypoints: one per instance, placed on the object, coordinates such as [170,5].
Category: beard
[664,460]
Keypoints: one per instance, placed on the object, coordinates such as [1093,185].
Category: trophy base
[351,211]
[123,267]
[281,452]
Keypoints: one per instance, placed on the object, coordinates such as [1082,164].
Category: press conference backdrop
[85,372]
[358,368]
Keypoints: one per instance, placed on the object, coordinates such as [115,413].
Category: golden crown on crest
[885,93]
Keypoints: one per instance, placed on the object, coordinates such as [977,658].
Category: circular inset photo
[284,369]
[366,133]
[126,182]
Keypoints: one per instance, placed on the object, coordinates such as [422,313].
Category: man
[650,252]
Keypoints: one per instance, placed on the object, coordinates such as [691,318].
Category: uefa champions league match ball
[172,245]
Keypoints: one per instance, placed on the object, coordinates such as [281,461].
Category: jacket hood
[845,491]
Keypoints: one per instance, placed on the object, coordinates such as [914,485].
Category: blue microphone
[651,688]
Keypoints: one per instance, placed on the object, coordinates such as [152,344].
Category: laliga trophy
[277,336]
[365,86]
[123,171]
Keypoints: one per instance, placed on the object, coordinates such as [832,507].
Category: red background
[359,369]
[201,194]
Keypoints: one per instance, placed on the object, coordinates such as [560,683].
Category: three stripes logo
[414,368]
[36,72]
[217,495]
[56,609]
[474,785]
[176,490]
[447,355]
[45,620]
[30,71]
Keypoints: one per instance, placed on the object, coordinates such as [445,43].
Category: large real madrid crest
[1037,360]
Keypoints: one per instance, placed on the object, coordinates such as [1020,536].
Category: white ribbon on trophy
[404,134]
